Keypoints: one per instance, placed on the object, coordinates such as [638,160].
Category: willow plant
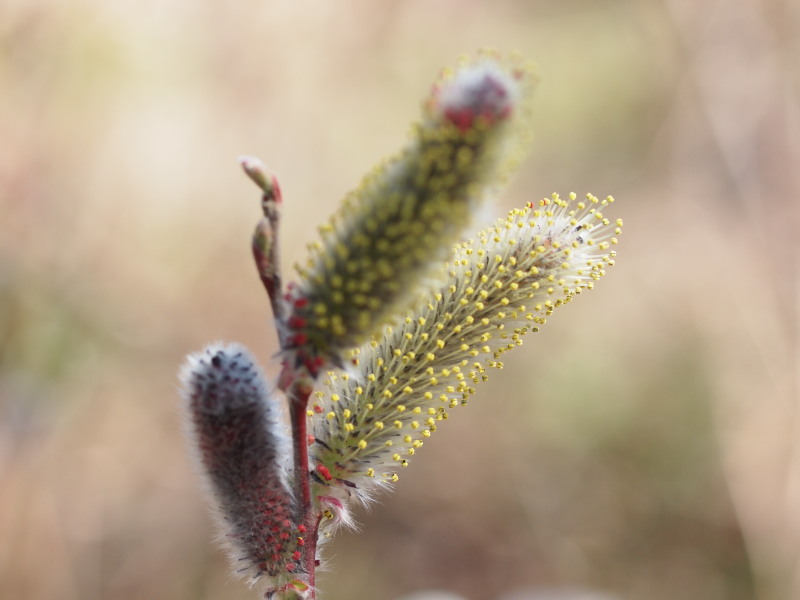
[393,321]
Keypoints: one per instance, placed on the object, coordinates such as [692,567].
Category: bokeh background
[645,444]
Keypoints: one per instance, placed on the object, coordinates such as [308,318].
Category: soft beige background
[644,444]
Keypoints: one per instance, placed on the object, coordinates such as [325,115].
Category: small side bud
[264,250]
[233,423]
[271,198]
[265,255]
[255,169]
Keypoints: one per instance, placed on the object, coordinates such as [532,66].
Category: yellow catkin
[474,336]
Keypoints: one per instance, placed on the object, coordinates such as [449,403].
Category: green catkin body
[397,227]
[370,422]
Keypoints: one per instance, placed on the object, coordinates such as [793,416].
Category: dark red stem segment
[298,403]
[299,391]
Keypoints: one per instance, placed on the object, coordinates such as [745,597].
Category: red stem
[298,394]
[298,402]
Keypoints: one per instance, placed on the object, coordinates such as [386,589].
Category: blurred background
[644,445]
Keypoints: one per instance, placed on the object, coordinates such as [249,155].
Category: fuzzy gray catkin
[397,227]
[233,421]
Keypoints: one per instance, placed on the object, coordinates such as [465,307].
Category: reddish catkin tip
[480,91]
